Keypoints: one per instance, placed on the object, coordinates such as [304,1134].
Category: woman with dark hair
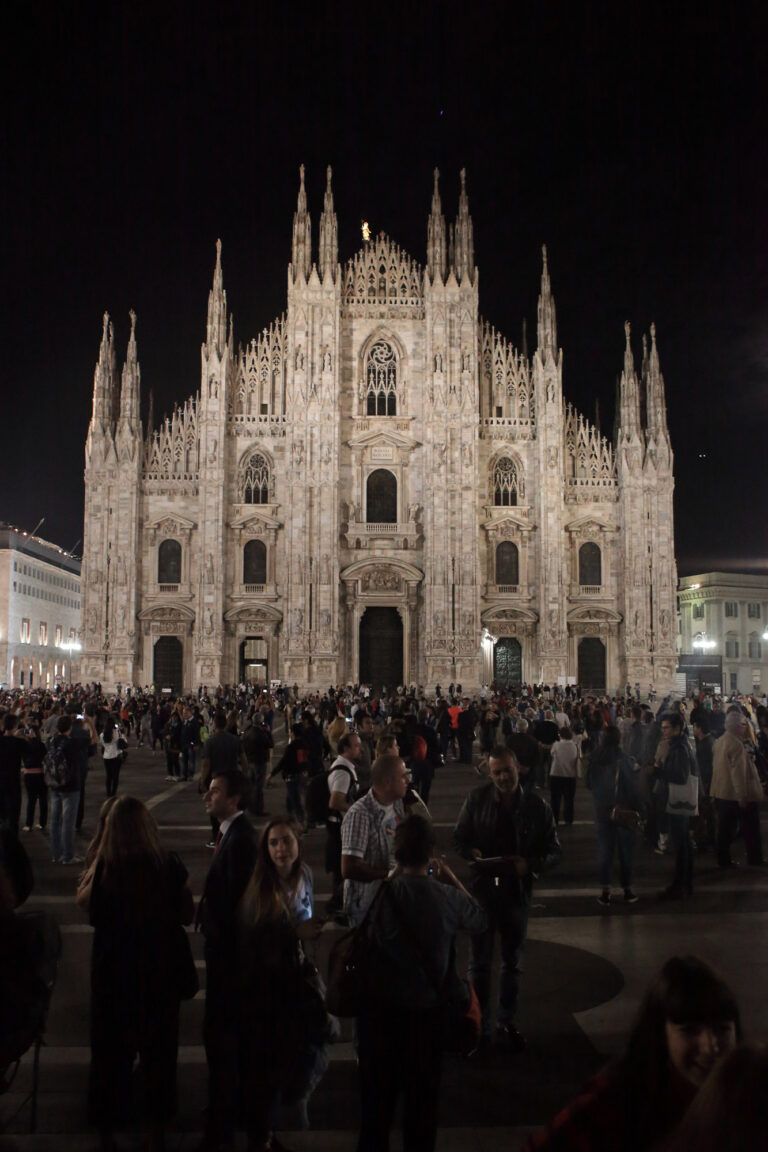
[610,776]
[413,976]
[284,1025]
[137,897]
[688,1020]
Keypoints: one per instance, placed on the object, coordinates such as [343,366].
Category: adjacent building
[39,612]
[725,614]
[379,487]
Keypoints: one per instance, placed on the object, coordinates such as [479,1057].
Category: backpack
[58,772]
[317,798]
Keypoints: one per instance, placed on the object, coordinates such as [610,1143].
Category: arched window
[381,492]
[590,565]
[507,484]
[507,563]
[255,480]
[169,562]
[255,562]
[381,380]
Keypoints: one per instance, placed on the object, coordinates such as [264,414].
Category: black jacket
[534,835]
[225,883]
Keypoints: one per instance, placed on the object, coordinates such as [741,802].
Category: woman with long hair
[285,1028]
[687,1021]
[137,897]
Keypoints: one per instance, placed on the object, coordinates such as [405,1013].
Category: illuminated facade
[39,612]
[725,614]
[378,487]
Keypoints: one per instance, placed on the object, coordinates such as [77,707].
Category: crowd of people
[689,777]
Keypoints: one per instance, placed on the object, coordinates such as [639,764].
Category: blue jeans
[62,823]
[610,837]
[511,923]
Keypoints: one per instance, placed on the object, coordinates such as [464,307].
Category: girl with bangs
[687,1022]
[284,1026]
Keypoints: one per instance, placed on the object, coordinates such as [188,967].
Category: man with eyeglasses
[368,833]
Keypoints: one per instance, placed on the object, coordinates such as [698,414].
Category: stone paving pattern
[586,969]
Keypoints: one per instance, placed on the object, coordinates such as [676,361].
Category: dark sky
[631,139]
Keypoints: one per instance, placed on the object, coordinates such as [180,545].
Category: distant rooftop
[13,539]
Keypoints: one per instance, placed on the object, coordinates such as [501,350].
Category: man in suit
[231,868]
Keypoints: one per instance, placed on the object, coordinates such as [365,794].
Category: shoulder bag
[622,815]
[348,966]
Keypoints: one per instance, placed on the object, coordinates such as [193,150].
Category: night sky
[631,139]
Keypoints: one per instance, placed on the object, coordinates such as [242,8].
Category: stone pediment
[379,437]
[374,575]
[168,612]
[504,612]
[255,614]
[511,519]
[171,525]
[587,524]
[587,614]
[256,521]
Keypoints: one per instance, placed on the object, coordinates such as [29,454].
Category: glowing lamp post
[69,647]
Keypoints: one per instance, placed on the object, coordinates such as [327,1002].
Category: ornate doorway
[254,664]
[167,667]
[591,671]
[381,648]
[508,662]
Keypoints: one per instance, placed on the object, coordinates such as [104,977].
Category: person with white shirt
[562,775]
[343,786]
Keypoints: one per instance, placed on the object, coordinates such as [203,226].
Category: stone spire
[629,393]
[464,259]
[301,252]
[547,322]
[216,332]
[130,391]
[329,233]
[104,379]
[436,251]
[656,408]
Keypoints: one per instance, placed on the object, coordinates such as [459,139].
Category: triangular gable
[585,523]
[255,519]
[391,437]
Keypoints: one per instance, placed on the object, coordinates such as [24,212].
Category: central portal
[381,648]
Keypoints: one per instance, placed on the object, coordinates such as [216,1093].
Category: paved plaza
[586,968]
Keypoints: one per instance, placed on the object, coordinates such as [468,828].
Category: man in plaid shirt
[368,832]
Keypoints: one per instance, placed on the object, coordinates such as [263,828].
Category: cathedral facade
[378,488]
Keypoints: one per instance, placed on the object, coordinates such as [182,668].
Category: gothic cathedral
[378,488]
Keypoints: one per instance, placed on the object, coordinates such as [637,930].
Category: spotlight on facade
[701,642]
[488,637]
